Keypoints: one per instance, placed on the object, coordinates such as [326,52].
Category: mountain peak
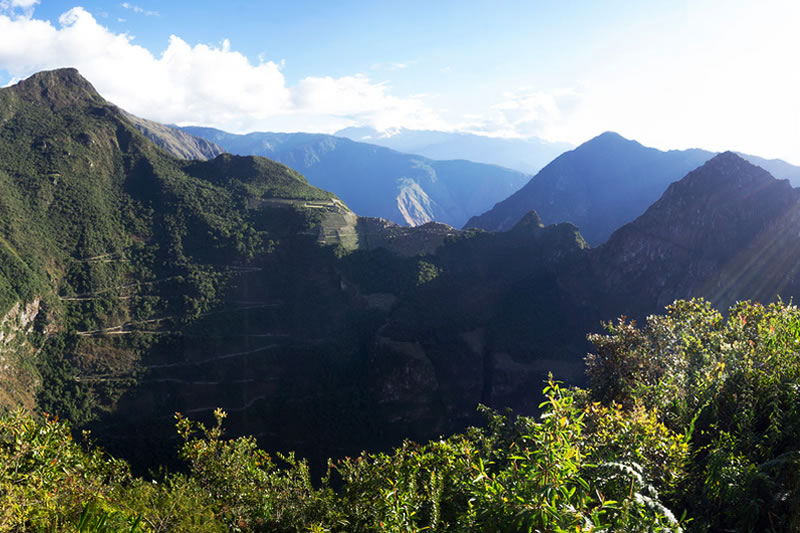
[726,170]
[610,135]
[727,157]
[531,221]
[57,89]
[608,140]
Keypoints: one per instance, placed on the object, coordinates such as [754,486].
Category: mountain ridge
[377,181]
[136,284]
[165,285]
[600,185]
[176,141]
[714,233]
[524,155]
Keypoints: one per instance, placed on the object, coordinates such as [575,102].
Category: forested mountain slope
[138,285]
[380,182]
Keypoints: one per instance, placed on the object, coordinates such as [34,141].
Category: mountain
[599,186]
[727,231]
[174,140]
[134,284]
[525,155]
[379,182]
[603,184]
[777,167]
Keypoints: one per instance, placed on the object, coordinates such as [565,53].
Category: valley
[136,284]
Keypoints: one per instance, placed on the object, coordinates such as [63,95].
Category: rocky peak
[705,236]
[724,171]
[58,89]
[607,141]
[725,190]
[528,223]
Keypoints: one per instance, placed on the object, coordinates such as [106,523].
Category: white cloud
[200,84]
[22,4]
[12,6]
[141,11]
[392,66]
[724,79]
[526,114]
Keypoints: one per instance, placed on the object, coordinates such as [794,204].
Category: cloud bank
[199,84]
[716,78]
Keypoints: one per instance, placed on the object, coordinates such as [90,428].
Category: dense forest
[689,423]
[218,345]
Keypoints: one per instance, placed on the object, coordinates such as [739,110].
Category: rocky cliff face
[176,141]
[18,378]
[726,231]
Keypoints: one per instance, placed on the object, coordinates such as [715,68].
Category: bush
[732,388]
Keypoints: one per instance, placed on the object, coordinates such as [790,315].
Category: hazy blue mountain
[134,284]
[727,231]
[526,155]
[605,183]
[599,186]
[377,181]
[777,167]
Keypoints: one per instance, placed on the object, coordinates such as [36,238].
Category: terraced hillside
[136,284]
[121,264]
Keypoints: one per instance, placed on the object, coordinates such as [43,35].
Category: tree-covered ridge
[116,246]
[690,424]
[79,181]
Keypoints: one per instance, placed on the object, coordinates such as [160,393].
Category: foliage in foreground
[732,387]
[516,475]
[691,423]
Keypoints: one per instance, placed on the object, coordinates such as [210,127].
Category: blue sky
[671,74]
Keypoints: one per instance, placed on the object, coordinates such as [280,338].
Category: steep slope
[525,155]
[598,186]
[379,182]
[136,284]
[176,141]
[484,321]
[779,168]
[605,183]
[130,277]
[727,231]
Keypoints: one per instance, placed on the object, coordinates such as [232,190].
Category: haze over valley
[392,292]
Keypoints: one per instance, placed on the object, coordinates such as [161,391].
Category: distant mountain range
[525,155]
[377,181]
[134,283]
[603,184]
[727,231]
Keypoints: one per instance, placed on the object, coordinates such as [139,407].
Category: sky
[713,74]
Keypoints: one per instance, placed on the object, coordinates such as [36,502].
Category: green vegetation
[201,283]
[690,423]
[732,387]
[121,245]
